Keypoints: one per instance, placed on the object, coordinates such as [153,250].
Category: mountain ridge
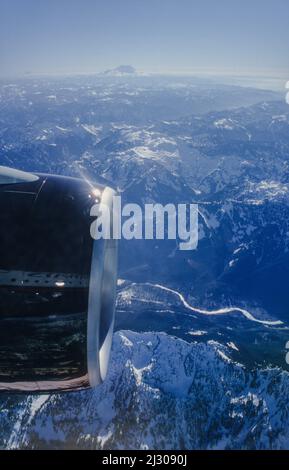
[161,393]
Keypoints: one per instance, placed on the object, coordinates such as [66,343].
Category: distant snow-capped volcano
[121,70]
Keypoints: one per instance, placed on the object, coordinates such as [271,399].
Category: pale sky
[177,36]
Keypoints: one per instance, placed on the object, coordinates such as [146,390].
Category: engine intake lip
[101,303]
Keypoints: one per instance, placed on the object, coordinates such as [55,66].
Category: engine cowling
[57,284]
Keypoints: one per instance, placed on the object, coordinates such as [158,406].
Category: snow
[232,346]
[224,124]
[197,333]
[232,262]
[159,391]
[62,129]
[91,129]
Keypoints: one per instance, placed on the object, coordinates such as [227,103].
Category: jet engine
[57,283]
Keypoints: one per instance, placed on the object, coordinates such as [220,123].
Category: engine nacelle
[57,284]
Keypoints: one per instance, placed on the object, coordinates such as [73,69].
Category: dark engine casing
[57,284]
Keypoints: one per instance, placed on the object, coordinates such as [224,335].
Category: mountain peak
[121,70]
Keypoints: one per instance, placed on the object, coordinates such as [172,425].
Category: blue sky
[86,36]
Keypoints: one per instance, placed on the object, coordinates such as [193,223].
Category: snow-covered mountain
[121,71]
[180,140]
[160,139]
[160,393]
[233,163]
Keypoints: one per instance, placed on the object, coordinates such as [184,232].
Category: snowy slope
[161,392]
